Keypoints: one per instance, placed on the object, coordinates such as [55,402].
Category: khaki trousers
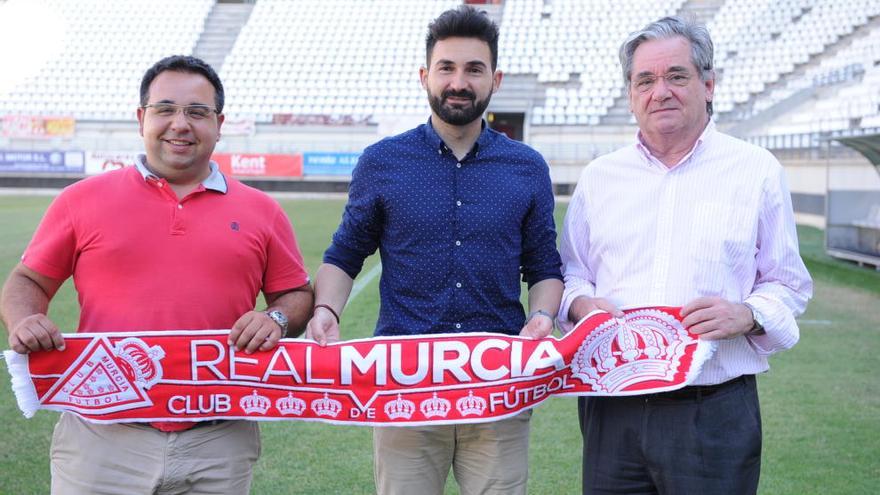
[88,458]
[486,458]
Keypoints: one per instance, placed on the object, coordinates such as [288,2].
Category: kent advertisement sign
[259,164]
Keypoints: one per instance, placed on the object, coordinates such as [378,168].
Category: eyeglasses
[191,112]
[646,83]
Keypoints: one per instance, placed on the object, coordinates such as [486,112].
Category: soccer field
[821,401]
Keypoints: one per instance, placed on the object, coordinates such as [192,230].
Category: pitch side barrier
[310,172]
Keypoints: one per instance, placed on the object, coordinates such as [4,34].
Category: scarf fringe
[22,386]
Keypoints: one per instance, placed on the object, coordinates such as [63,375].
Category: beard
[458,115]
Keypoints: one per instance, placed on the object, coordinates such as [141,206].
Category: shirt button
[439,152]
[458,243]
[458,165]
[158,184]
[458,203]
[179,206]
[458,285]
[458,325]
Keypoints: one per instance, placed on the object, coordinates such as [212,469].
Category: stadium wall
[327,154]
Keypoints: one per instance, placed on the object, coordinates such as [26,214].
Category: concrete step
[222,27]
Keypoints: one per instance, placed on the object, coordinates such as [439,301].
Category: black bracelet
[328,308]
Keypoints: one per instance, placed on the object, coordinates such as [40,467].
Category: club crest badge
[108,379]
[645,345]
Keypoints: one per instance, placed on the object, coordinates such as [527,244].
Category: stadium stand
[107,47]
[335,57]
[853,79]
[761,41]
[310,83]
[329,57]
[569,40]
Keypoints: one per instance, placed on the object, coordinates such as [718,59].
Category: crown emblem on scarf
[255,403]
[400,408]
[326,406]
[644,345]
[141,360]
[471,405]
[290,405]
[435,407]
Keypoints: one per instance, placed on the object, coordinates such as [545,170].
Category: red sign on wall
[259,164]
[35,126]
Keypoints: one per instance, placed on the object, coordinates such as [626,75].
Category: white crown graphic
[255,403]
[141,359]
[644,345]
[471,405]
[290,405]
[326,406]
[435,407]
[400,408]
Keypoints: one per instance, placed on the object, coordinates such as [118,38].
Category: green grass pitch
[821,401]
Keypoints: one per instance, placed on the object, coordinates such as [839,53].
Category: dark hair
[183,63]
[466,22]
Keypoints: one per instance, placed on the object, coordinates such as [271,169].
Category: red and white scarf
[438,379]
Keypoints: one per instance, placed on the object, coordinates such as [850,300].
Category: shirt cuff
[780,328]
[345,259]
[568,296]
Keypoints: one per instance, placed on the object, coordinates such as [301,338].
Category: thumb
[528,330]
[605,305]
[533,330]
[315,332]
[320,335]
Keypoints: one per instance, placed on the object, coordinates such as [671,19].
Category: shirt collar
[437,143]
[651,160]
[215,180]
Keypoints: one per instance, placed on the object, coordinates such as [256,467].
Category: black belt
[213,422]
[695,392]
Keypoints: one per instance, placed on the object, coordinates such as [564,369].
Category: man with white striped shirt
[689,217]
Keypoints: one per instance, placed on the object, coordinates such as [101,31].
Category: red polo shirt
[143,260]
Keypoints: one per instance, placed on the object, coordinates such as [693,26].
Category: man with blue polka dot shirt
[458,213]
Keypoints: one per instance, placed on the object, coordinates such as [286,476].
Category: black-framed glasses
[646,83]
[191,112]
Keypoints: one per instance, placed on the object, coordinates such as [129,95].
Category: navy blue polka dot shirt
[453,236]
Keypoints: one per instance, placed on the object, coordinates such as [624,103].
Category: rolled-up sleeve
[539,258]
[358,234]
[782,285]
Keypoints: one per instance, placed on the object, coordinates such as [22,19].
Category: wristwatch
[279,318]
[757,321]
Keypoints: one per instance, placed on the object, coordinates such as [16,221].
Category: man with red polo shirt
[168,244]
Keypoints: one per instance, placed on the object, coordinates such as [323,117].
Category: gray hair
[702,49]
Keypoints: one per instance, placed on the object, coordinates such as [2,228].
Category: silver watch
[757,321]
[279,318]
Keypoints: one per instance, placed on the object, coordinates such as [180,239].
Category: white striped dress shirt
[718,223]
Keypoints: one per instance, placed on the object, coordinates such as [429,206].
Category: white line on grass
[364,280]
